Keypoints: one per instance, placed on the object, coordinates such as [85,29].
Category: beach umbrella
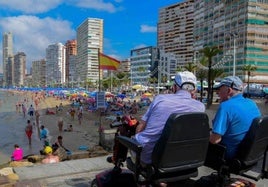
[109,94]
[93,94]
[91,100]
[137,86]
[122,96]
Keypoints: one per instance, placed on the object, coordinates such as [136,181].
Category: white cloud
[37,6]
[147,28]
[32,35]
[30,6]
[95,4]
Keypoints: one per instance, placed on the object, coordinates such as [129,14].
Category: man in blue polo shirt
[234,115]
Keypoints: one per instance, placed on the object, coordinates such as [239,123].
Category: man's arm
[214,138]
[141,126]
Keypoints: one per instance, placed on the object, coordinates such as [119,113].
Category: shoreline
[84,135]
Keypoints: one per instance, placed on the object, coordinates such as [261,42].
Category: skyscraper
[89,42]
[19,69]
[55,65]
[175,31]
[7,52]
[39,72]
[71,52]
[240,29]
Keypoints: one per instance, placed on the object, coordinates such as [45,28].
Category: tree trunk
[209,84]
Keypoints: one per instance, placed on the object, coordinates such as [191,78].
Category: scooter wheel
[94,183]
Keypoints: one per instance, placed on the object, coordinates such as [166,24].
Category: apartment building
[7,52]
[240,29]
[167,67]
[144,62]
[19,69]
[55,64]
[89,42]
[39,73]
[9,80]
[175,31]
[71,52]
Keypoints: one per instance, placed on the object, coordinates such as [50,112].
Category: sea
[12,125]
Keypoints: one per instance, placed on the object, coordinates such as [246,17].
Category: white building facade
[7,52]
[55,64]
[89,42]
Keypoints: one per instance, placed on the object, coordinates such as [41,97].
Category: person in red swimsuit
[29,131]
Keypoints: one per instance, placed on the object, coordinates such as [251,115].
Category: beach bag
[62,154]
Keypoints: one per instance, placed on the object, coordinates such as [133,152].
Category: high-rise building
[39,73]
[175,31]
[124,66]
[19,69]
[167,67]
[89,43]
[55,64]
[71,52]
[9,81]
[143,65]
[7,52]
[240,29]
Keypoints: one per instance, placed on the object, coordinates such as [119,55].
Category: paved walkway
[76,173]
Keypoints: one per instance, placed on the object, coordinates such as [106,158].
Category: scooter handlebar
[116,124]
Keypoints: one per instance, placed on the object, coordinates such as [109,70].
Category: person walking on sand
[43,135]
[72,112]
[23,110]
[31,110]
[80,114]
[29,131]
[37,116]
[60,124]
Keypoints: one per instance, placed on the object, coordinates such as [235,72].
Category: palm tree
[210,52]
[190,67]
[201,74]
[248,68]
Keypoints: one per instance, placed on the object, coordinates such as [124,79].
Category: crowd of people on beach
[29,108]
[235,114]
[32,114]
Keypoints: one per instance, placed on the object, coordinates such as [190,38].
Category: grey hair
[188,87]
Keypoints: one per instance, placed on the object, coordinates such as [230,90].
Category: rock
[6,171]
[35,158]
[20,163]
[4,181]
[97,151]
[13,177]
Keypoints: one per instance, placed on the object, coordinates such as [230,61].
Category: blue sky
[35,24]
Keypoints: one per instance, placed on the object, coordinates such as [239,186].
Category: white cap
[185,77]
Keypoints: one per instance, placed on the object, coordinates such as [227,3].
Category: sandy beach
[84,135]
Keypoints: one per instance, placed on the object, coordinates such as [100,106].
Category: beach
[85,136]
[13,123]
